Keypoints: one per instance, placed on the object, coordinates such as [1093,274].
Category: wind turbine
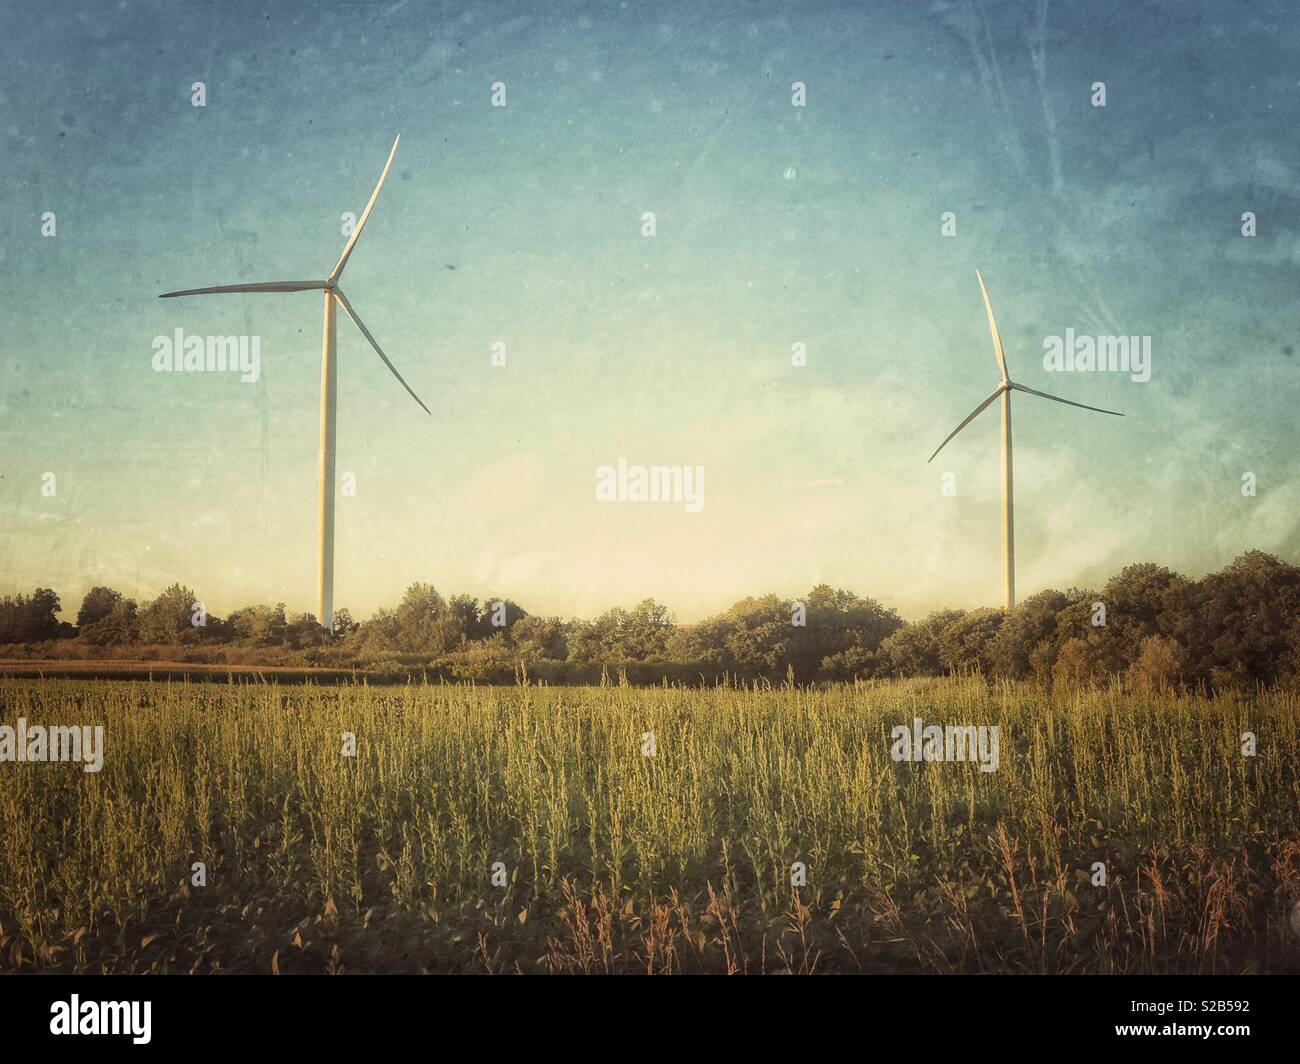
[1004,390]
[334,297]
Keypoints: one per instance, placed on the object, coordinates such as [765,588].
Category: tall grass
[616,861]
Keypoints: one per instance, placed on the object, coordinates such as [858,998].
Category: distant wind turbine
[1004,390]
[333,296]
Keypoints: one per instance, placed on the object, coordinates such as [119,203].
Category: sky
[774,225]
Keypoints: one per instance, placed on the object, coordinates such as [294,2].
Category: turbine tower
[334,298]
[1004,390]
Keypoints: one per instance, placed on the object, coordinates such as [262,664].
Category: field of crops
[609,859]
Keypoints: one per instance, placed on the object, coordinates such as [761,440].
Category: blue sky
[522,224]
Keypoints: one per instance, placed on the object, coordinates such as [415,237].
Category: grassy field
[617,861]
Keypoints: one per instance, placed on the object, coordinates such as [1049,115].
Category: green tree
[1237,624]
[118,628]
[464,611]
[495,608]
[264,626]
[168,618]
[838,621]
[97,605]
[539,639]
[964,641]
[1158,666]
[30,618]
[1137,602]
[425,625]
[597,641]
[914,650]
[853,664]
[645,632]
[1079,665]
[302,630]
[759,636]
[484,659]
[1029,624]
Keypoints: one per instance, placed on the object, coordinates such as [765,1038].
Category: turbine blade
[1067,402]
[969,418]
[361,224]
[378,350]
[993,328]
[267,286]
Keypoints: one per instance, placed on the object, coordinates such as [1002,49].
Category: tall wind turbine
[1004,390]
[333,298]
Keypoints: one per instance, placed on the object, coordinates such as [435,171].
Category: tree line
[1147,625]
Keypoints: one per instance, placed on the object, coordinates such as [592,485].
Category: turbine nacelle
[1007,385]
[329,285]
[1003,392]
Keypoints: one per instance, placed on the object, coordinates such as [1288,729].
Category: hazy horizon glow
[775,225]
